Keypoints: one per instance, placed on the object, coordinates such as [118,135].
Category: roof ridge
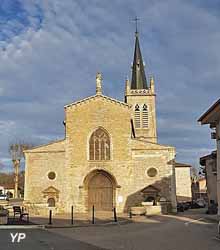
[47,144]
[155,143]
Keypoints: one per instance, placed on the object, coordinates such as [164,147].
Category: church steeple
[138,74]
[141,97]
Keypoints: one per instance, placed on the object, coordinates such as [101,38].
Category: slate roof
[138,80]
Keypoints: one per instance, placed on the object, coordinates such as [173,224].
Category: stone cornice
[85,100]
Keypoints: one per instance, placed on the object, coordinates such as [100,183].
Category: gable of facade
[84,118]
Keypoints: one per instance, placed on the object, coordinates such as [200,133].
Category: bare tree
[16,151]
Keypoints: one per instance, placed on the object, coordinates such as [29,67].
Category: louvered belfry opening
[145,121]
[99,145]
[137,118]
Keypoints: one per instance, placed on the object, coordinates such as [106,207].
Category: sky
[50,51]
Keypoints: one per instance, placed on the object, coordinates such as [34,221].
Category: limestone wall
[183,184]
[149,100]
[39,163]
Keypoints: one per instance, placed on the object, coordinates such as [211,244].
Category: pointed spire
[138,74]
[98,83]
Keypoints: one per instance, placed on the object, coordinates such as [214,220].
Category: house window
[51,202]
[145,116]
[99,145]
[137,116]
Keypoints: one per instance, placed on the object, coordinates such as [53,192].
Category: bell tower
[142,98]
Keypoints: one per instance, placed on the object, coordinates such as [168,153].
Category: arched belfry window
[137,116]
[145,120]
[99,145]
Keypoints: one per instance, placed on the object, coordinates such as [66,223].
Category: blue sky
[51,50]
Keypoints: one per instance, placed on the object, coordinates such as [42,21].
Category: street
[187,231]
[37,239]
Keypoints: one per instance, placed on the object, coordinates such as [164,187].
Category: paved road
[186,232]
[159,233]
[37,239]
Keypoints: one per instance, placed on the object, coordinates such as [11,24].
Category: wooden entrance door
[100,193]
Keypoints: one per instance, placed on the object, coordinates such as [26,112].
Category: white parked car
[3,197]
[201,202]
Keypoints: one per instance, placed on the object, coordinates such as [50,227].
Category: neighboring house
[195,188]
[199,189]
[109,157]
[210,169]
[203,188]
[183,182]
[9,189]
[212,117]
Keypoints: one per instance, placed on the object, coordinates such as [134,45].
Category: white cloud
[55,63]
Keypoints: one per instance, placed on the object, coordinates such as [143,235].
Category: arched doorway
[51,202]
[101,191]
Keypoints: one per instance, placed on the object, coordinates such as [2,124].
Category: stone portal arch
[100,187]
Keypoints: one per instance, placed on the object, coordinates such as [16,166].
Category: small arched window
[137,116]
[99,145]
[51,202]
[145,121]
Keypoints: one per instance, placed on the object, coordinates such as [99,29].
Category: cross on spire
[139,80]
[136,19]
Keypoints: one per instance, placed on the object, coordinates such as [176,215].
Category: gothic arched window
[145,122]
[99,145]
[137,116]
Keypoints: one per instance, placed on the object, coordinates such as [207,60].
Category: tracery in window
[99,145]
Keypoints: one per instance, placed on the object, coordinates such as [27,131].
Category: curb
[3,227]
[88,225]
[46,226]
[211,219]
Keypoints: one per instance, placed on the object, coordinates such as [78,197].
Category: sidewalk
[201,212]
[79,220]
[212,217]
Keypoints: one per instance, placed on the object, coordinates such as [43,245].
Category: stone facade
[121,166]
[69,159]
[210,164]
[183,182]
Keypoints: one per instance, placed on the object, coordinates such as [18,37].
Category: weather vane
[136,19]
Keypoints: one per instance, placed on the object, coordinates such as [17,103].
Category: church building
[109,156]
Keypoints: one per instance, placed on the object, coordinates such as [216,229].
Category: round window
[51,175]
[152,172]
